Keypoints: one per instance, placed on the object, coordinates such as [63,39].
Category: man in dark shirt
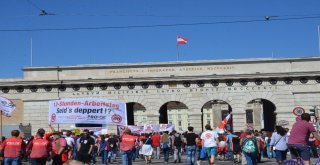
[191,139]
[113,141]
[85,147]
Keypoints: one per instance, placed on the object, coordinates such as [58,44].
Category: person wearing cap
[39,149]
[59,146]
[127,144]
[12,149]
[85,147]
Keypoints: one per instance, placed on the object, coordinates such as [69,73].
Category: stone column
[195,121]
[239,121]
[257,117]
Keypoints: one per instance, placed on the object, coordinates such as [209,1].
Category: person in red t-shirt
[59,145]
[39,149]
[299,135]
[156,145]
[12,148]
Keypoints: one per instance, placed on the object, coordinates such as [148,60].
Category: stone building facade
[258,92]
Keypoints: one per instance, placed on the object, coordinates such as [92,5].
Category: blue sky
[259,39]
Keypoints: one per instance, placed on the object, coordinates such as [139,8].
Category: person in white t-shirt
[70,143]
[209,142]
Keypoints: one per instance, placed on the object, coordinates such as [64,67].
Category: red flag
[181,40]
[223,123]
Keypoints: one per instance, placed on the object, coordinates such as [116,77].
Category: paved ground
[160,162]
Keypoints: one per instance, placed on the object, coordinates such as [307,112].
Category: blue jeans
[166,154]
[198,152]
[104,156]
[229,154]
[191,154]
[114,153]
[126,157]
[12,161]
[251,158]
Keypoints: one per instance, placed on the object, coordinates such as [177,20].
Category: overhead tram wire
[161,25]
[42,11]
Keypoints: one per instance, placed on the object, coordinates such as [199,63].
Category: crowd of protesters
[246,147]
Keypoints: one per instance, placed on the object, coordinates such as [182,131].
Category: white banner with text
[87,110]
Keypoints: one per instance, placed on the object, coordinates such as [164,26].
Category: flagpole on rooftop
[178,52]
[319,38]
[31,55]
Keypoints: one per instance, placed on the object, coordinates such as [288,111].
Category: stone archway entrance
[174,112]
[214,111]
[261,114]
[136,114]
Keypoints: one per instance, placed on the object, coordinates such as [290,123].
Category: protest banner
[134,129]
[147,128]
[87,110]
[6,106]
[166,127]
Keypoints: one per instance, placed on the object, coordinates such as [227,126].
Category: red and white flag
[181,40]
[223,123]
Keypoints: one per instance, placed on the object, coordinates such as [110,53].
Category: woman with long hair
[165,143]
[279,144]
[147,149]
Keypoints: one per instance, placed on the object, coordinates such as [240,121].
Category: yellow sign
[77,131]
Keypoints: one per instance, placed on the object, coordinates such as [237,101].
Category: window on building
[208,122]
[170,117]
[170,122]
[249,116]
[208,115]
[179,116]
[179,123]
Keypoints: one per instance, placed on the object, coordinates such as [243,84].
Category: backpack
[108,146]
[177,140]
[262,144]
[249,146]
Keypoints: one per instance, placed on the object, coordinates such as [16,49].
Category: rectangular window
[249,116]
[208,115]
[208,122]
[179,116]
[179,123]
[170,117]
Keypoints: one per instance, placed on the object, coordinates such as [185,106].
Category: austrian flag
[181,40]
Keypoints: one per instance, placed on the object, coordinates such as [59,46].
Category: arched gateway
[201,90]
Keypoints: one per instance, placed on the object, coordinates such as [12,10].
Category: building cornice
[174,64]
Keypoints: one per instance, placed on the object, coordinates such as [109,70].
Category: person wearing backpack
[249,147]
[176,146]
